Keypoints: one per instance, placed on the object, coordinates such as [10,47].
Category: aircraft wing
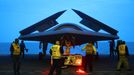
[94,24]
[80,37]
[43,25]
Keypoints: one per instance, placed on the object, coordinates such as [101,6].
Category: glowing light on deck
[78,62]
[80,71]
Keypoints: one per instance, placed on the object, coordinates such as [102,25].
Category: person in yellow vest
[68,46]
[90,51]
[66,53]
[56,52]
[123,53]
[15,54]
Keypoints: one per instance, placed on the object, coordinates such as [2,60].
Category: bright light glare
[80,71]
[78,62]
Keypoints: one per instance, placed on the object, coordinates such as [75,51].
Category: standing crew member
[111,45]
[56,51]
[117,48]
[22,48]
[15,52]
[123,56]
[43,46]
[68,46]
[90,50]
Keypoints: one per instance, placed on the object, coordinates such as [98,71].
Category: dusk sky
[16,15]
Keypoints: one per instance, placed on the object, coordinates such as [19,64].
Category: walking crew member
[90,50]
[56,51]
[123,53]
[15,54]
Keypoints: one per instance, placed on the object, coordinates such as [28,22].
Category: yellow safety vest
[89,49]
[16,48]
[122,49]
[67,51]
[56,52]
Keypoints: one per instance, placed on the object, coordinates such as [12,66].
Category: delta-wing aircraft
[49,30]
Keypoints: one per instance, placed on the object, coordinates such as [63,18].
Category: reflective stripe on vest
[55,51]
[122,49]
[16,50]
